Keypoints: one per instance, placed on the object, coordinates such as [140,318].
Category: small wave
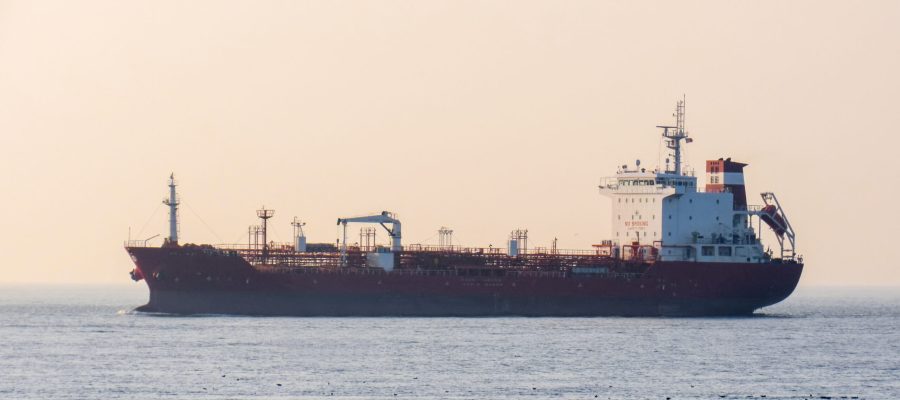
[776,315]
[147,313]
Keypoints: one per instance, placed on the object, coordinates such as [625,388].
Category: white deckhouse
[664,215]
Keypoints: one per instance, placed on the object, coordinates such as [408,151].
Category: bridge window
[708,250]
[725,251]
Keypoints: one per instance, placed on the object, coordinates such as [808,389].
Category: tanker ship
[676,249]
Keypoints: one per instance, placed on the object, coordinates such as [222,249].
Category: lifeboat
[769,214]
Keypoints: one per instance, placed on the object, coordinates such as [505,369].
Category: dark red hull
[190,281]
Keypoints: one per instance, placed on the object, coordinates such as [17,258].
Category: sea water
[64,342]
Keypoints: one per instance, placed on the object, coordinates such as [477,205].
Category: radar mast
[673,135]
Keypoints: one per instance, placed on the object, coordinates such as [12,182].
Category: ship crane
[382,219]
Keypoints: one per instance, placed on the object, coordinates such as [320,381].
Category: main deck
[430,258]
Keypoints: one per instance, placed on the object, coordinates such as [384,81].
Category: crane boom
[385,217]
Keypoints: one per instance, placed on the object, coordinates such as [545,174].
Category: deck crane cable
[238,238]
[659,167]
[201,220]
[275,231]
[426,240]
[158,206]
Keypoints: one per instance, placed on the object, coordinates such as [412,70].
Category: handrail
[418,248]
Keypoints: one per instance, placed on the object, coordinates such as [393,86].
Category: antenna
[264,214]
[298,227]
[445,237]
[299,235]
[518,242]
[367,239]
[673,135]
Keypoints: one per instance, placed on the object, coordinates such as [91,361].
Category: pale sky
[484,116]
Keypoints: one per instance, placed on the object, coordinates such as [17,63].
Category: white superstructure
[665,215]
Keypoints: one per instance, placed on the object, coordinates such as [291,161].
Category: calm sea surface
[85,342]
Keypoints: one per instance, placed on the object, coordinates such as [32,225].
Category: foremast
[173,203]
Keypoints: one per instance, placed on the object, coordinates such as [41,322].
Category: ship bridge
[647,182]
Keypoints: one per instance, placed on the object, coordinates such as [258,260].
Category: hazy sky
[484,116]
